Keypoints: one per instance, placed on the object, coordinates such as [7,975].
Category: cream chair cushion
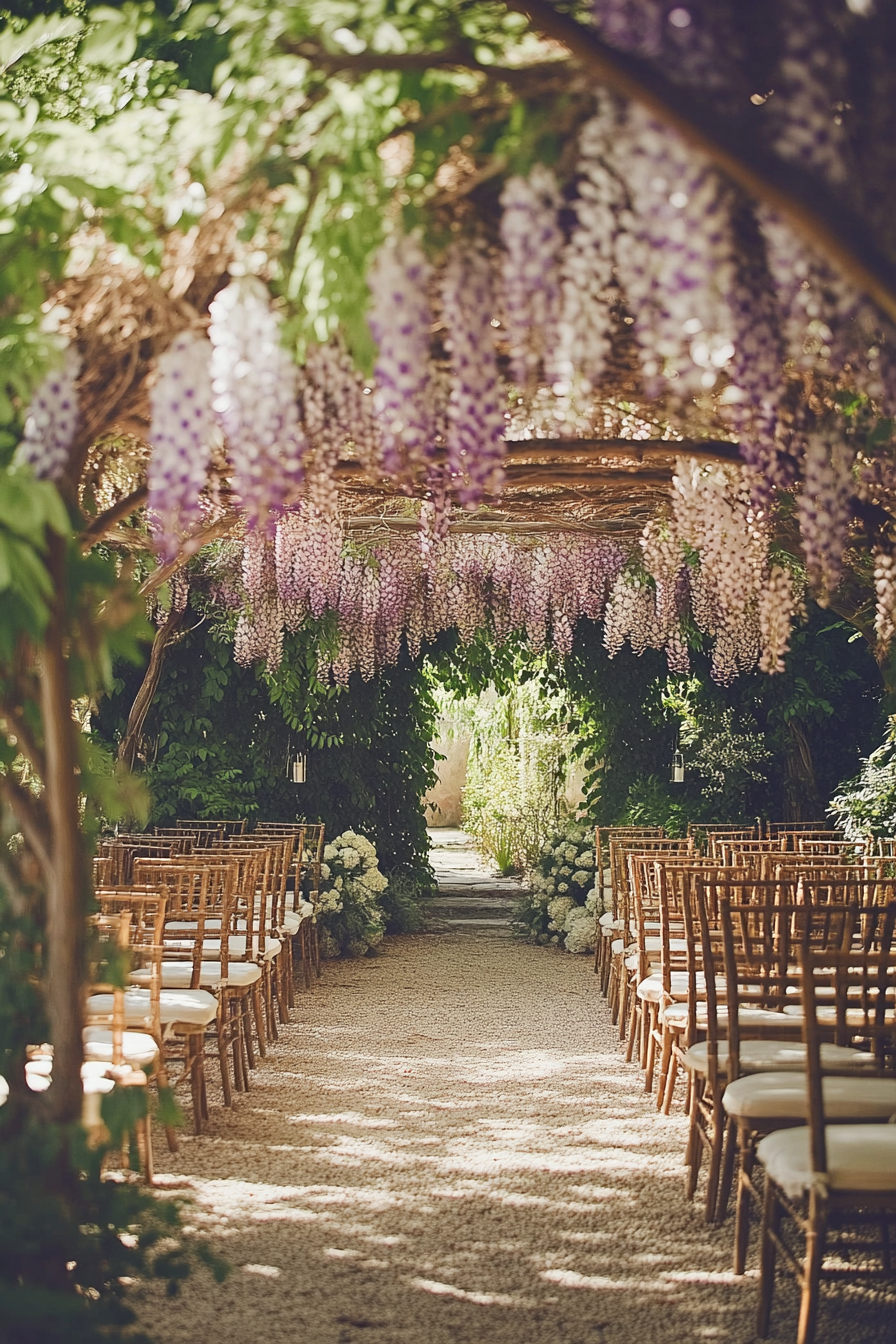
[779,1056]
[769,1096]
[137,1047]
[859,1157]
[179,974]
[193,1007]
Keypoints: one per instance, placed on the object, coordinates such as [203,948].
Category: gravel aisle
[447,1146]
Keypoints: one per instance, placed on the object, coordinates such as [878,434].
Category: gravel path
[448,1148]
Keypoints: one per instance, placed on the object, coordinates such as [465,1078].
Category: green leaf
[113,41]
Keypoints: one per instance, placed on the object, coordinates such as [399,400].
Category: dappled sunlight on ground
[448,1146]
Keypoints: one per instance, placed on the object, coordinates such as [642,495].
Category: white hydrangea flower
[585,859]
[338,883]
[350,857]
[581,879]
[565,870]
[325,872]
[570,853]
[558,909]
[563,886]
[330,853]
[580,931]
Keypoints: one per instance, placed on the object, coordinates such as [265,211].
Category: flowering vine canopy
[473,315]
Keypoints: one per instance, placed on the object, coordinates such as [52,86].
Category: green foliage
[521,742]
[219,737]
[866,804]
[69,1240]
[772,746]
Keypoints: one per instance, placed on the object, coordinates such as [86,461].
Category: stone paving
[471,894]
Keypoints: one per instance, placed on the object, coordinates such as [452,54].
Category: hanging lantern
[297,767]
[677,767]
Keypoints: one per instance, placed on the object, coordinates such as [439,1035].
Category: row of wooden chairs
[209,916]
[719,953]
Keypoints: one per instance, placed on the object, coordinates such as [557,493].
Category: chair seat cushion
[676,1015]
[770,1096]
[193,1007]
[236,944]
[859,1157]
[651,989]
[179,974]
[779,1057]
[137,1047]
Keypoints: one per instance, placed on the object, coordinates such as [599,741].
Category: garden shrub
[562,903]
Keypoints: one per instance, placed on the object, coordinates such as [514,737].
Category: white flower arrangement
[564,900]
[351,918]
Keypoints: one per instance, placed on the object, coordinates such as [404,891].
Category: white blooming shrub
[562,904]
[350,917]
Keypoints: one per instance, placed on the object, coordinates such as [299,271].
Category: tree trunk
[130,743]
[67,882]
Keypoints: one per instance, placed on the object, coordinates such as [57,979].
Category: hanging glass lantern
[297,767]
[677,767]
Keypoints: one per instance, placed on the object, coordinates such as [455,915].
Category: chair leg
[744,1198]
[771,1223]
[224,1063]
[259,1023]
[196,1086]
[729,1153]
[717,1139]
[634,1021]
[144,1145]
[662,1081]
[694,1149]
[815,1240]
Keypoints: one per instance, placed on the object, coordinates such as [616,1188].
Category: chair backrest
[643,846]
[775,828]
[850,996]
[604,834]
[223,827]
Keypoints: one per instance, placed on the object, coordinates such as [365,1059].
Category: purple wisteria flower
[530,232]
[475,410]
[255,385]
[401,322]
[52,421]
[180,434]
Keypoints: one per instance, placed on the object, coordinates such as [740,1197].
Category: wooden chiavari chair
[825,1172]
[299,915]
[607,922]
[177,1018]
[272,857]
[760,1103]
[752,988]
[205,949]
[820,828]
[222,828]
[111,1049]
[625,961]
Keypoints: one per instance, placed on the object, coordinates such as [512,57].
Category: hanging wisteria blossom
[180,434]
[587,262]
[675,259]
[824,510]
[52,421]
[530,232]
[255,385]
[401,321]
[475,410]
